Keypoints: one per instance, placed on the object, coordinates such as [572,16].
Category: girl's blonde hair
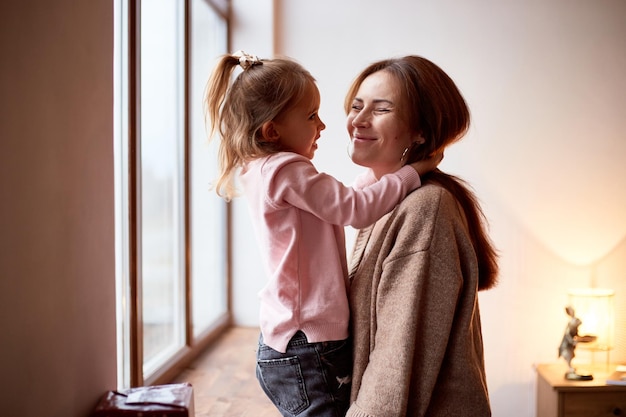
[237,111]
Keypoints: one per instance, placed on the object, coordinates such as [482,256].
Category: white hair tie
[246,60]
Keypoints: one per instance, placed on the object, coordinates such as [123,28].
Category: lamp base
[575,376]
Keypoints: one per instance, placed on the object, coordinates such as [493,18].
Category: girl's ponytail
[216,89]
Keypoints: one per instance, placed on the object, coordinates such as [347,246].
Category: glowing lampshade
[594,308]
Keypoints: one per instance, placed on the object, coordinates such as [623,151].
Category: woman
[415,274]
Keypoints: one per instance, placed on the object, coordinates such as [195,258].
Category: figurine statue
[568,346]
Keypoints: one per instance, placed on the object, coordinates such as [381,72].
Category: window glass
[162,179]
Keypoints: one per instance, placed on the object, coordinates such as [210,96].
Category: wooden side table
[558,397]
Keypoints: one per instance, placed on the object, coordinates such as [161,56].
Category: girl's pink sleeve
[296,182]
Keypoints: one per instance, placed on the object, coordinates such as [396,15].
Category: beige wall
[545,82]
[57,285]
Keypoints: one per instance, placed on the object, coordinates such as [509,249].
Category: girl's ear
[269,132]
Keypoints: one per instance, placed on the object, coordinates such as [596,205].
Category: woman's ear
[418,149]
[269,132]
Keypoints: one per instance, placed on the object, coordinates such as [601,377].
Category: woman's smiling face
[379,132]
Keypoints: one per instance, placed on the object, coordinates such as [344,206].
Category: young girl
[269,126]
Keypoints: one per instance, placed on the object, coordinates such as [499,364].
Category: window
[161,171]
[171,229]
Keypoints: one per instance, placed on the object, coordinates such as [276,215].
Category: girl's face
[378,132]
[299,127]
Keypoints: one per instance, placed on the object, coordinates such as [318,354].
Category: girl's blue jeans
[310,379]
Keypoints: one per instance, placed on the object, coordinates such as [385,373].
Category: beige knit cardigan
[418,348]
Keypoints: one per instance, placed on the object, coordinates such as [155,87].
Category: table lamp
[594,307]
[590,326]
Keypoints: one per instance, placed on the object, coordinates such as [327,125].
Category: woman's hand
[426,165]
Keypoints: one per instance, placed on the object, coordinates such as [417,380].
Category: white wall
[57,276]
[545,82]
[251,31]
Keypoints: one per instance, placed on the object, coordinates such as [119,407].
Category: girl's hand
[426,165]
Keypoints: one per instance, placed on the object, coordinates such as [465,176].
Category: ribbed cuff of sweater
[409,176]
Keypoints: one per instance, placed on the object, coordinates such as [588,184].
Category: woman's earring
[406,150]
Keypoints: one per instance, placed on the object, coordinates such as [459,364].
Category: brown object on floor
[170,400]
[224,381]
